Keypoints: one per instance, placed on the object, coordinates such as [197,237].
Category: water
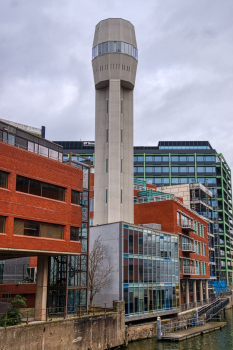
[217,340]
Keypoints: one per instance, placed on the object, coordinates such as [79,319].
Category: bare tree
[99,268]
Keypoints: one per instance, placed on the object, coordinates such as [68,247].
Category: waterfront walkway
[193,331]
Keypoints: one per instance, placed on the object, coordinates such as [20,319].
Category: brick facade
[15,204]
[165,213]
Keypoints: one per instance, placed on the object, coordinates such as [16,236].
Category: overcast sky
[184,83]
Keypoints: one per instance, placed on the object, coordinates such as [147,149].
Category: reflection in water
[218,340]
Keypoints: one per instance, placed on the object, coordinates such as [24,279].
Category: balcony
[190,270]
[188,225]
[188,247]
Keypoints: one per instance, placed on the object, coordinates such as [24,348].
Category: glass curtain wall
[151,271]
[68,275]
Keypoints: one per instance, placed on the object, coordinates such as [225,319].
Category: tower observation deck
[114,62]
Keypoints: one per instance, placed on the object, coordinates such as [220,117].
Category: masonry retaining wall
[88,332]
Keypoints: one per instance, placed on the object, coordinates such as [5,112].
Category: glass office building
[182,162]
[151,271]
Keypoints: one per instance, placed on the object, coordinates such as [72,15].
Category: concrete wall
[109,235]
[95,332]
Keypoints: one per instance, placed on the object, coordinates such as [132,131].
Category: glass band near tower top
[114,63]
[114,46]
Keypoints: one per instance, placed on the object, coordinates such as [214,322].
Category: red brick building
[44,212]
[175,217]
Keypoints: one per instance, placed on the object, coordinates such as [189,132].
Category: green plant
[13,315]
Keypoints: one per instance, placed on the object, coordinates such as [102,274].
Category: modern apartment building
[186,162]
[152,206]
[44,212]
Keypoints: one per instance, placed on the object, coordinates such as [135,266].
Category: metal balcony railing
[190,270]
[188,225]
[188,247]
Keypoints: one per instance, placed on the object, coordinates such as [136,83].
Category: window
[3,179]
[149,159]
[174,158]
[38,229]
[107,106]
[157,169]
[107,135]
[106,196]
[157,159]
[178,218]
[43,151]
[2,224]
[74,233]
[121,165]
[175,169]
[107,165]
[149,169]
[92,204]
[121,135]
[37,188]
[121,107]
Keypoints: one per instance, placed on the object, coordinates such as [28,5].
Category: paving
[193,331]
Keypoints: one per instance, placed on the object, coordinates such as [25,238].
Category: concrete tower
[114,62]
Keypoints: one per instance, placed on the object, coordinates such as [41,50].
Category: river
[218,340]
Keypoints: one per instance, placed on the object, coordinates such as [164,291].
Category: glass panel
[22,184]
[74,233]
[43,151]
[3,179]
[85,205]
[31,147]
[75,197]
[2,224]
[53,192]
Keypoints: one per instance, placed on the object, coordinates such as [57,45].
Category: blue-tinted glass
[140,159]
[182,159]
[135,169]
[165,159]
[165,169]
[211,180]
[149,159]
[157,169]
[149,169]
[183,180]
[191,169]
[165,180]
[210,158]
[174,159]
[157,159]
[175,180]
[157,180]
[200,180]
[140,169]
[190,159]
[200,158]
[175,169]
[182,169]
[135,159]
[200,169]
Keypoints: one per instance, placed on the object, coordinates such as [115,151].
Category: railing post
[94,310]
[196,317]
[79,310]
[159,333]
[27,317]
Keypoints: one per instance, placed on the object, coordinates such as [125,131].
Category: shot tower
[114,62]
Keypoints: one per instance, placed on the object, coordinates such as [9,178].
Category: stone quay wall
[88,332]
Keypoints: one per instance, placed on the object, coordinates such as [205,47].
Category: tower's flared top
[115,29]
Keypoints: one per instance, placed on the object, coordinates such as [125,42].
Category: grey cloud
[184,80]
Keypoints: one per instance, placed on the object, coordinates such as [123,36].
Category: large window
[37,188]
[2,224]
[3,179]
[38,229]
